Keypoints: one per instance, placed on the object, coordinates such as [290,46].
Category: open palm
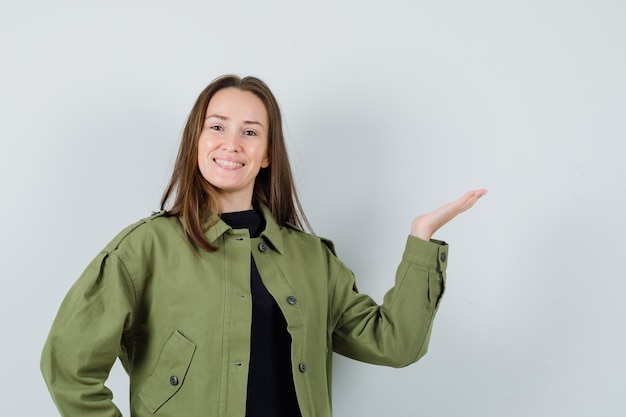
[426,225]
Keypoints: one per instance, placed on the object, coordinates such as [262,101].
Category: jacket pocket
[170,371]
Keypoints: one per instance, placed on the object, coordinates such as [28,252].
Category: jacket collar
[272,233]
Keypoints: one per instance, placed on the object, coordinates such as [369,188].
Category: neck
[231,204]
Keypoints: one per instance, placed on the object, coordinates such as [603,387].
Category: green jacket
[180,321]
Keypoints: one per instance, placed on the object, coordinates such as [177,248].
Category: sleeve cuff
[432,255]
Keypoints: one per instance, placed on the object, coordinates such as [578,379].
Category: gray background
[391,108]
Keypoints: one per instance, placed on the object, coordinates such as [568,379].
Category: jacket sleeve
[395,333]
[85,338]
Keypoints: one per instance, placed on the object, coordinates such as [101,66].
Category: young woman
[221,305]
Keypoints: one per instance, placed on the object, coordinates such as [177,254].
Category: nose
[231,142]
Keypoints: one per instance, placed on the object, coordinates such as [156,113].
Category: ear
[266,162]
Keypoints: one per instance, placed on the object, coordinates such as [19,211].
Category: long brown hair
[195,199]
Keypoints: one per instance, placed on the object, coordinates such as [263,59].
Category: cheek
[204,144]
[202,159]
[261,157]
[200,153]
[263,152]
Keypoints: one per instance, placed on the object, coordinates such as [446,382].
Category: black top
[270,382]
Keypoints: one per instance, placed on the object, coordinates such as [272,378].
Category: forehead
[236,104]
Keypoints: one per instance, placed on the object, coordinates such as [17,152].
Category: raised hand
[426,225]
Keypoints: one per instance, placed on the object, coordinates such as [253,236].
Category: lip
[226,163]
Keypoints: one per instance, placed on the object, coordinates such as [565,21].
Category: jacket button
[292,300]
[302,367]
[174,380]
[443,257]
[262,247]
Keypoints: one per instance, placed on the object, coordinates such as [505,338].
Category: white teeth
[229,164]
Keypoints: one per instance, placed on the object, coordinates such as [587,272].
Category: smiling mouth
[228,164]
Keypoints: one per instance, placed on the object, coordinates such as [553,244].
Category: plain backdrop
[391,109]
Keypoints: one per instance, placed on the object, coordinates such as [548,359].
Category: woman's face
[233,146]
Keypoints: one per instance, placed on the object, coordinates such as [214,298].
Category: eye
[249,132]
[217,128]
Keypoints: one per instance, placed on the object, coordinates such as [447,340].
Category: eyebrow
[248,122]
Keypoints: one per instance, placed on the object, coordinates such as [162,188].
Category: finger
[469,199]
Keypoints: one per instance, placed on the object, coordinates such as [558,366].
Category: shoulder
[296,234]
[293,239]
[159,227]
